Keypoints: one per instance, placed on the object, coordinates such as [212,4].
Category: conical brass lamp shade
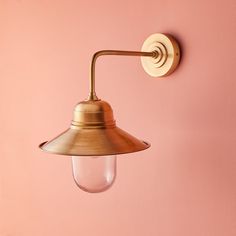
[93,132]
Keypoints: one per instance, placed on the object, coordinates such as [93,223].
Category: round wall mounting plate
[167,55]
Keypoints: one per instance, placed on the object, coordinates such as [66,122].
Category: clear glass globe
[94,174]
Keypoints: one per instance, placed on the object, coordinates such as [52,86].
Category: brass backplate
[168,55]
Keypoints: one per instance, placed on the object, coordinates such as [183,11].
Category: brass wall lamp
[93,139]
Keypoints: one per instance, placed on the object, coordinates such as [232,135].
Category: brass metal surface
[92,94]
[93,132]
[160,56]
[168,55]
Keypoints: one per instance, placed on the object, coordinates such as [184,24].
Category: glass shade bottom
[94,174]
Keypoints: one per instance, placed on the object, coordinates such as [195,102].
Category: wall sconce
[93,139]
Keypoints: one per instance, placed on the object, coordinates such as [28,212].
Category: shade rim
[89,155]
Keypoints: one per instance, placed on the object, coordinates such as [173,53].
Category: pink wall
[185,185]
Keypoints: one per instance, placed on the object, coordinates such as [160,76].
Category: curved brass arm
[92,94]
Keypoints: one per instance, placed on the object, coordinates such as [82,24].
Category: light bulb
[94,174]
